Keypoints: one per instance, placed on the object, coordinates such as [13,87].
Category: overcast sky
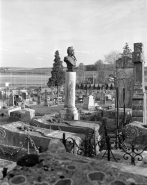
[32,30]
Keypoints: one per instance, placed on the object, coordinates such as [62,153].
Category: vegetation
[126,51]
[90,68]
[57,78]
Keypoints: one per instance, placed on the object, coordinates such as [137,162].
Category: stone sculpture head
[70,51]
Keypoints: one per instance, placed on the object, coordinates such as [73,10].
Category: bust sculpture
[70,59]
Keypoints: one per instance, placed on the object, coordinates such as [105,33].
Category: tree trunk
[57,95]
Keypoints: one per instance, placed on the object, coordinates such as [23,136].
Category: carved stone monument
[125,79]
[139,98]
[70,111]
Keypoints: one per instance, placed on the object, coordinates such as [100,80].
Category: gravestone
[24,96]
[39,97]
[52,96]
[23,105]
[45,98]
[16,99]
[102,98]
[88,102]
[124,78]
[139,98]
[11,100]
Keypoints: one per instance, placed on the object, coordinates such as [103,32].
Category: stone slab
[79,127]
[140,119]
[24,115]
[6,164]
[41,137]
[112,113]
[81,170]
[9,110]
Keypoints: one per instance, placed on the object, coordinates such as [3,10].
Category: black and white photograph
[73,92]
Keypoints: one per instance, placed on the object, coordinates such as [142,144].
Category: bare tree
[110,59]
[101,69]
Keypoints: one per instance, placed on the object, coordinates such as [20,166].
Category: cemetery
[83,138]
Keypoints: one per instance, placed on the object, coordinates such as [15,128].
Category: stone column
[138,100]
[70,84]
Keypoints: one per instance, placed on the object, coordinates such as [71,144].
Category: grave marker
[138,99]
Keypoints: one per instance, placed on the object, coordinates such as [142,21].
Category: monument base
[138,105]
[69,114]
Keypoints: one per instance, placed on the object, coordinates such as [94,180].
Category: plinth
[70,111]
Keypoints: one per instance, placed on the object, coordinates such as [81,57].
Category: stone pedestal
[70,111]
[138,99]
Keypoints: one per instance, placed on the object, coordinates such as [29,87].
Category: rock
[56,146]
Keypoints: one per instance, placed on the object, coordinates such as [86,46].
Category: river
[23,80]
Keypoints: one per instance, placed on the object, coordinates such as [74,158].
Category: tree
[100,67]
[110,60]
[82,86]
[77,86]
[111,87]
[126,51]
[106,87]
[98,87]
[81,72]
[57,78]
[90,68]
[94,86]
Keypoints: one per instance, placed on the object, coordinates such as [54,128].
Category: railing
[132,152]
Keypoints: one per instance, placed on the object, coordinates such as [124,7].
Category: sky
[32,30]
